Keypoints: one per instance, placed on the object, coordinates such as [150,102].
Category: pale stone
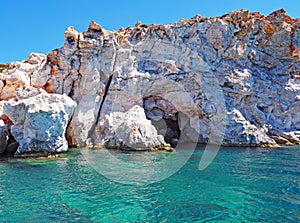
[20,73]
[28,91]
[241,70]
[39,122]
[131,131]
[241,132]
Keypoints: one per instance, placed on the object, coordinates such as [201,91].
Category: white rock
[241,57]
[131,131]
[39,123]
[241,132]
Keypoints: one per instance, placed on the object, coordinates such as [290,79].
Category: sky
[38,26]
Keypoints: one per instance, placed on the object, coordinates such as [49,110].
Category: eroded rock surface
[4,137]
[39,123]
[130,130]
[235,78]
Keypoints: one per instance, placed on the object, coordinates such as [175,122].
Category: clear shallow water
[241,185]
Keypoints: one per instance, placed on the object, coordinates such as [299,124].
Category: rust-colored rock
[269,29]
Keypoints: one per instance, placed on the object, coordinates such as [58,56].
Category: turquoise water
[241,185]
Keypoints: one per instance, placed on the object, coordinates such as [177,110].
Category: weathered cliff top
[243,21]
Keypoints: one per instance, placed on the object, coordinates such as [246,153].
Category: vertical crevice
[110,78]
[69,130]
[104,97]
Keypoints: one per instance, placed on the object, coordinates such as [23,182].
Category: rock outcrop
[39,123]
[8,144]
[4,137]
[130,130]
[234,79]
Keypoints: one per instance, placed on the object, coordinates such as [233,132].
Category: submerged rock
[39,123]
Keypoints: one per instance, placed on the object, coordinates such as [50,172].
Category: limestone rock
[19,74]
[131,131]
[241,132]
[240,71]
[39,123]
[27,92]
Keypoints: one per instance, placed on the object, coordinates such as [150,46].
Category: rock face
[243,133]
[18,74]
[40,122]
[234,79]
[4,137]
[8,145]
[130,130]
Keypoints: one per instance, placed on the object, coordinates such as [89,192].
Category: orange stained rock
[5,119]
[269,29]
[49,87]
[288,19]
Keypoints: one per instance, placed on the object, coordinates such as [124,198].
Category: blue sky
[38,26]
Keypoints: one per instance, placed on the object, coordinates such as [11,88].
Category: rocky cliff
[231,80]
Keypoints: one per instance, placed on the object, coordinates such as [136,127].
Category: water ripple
[241,185]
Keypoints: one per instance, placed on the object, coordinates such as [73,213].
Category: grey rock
[4,137]
[12,147]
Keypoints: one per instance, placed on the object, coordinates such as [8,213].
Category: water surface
[240,185]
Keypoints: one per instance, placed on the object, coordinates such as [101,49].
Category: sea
[238,184]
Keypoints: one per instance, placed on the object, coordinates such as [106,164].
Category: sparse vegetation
[3,67]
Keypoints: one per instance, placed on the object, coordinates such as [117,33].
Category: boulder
[39,123]
[131,130]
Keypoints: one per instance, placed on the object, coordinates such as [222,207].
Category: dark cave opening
[8,144]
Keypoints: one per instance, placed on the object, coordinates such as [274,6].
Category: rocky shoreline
[231,80]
